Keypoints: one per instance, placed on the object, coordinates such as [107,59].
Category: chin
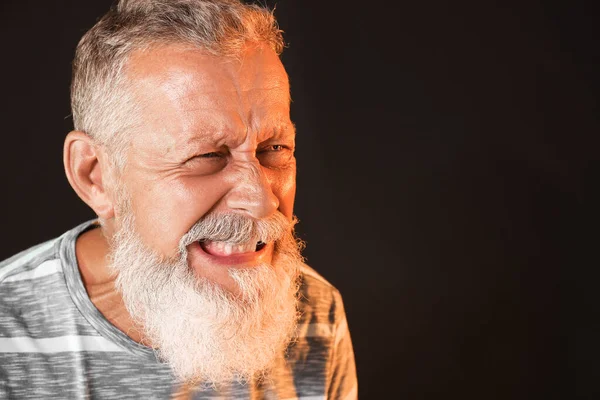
[205,329]
[205,333]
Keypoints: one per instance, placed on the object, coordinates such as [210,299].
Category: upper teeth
[228,248]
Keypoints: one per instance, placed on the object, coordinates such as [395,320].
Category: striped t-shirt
[55,344]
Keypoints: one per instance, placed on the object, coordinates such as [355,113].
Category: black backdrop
[446,153]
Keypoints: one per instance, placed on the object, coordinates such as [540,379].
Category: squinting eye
[207,163]
[276,156]
[211,155]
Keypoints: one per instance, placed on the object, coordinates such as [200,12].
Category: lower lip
[197,255]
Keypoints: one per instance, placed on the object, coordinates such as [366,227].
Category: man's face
[204,250]
[215,137]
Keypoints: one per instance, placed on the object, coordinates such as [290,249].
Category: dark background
[447,168]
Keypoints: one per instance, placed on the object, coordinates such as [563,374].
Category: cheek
[165,211]
[283,184]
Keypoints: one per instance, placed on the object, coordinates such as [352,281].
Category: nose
[252,193]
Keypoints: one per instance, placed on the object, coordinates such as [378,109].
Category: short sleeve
[343,382]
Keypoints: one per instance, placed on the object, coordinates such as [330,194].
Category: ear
[84,168]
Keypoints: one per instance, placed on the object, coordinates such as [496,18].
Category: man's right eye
[210,155]
[207,163]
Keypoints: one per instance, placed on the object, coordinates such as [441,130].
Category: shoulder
[320,302]
[27,261]
[44,259]
[323,346]
[314,288]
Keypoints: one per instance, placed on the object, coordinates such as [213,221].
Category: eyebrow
[190,144]
[277,131]
[215,136]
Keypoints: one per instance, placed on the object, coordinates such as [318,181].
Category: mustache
[237,228]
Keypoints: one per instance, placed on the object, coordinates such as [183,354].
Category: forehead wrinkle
[279,131]
[194,88]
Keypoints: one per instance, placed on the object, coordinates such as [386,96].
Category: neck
[92,249]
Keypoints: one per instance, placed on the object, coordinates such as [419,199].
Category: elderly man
[190,284]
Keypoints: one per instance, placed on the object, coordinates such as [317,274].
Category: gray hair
[101,103]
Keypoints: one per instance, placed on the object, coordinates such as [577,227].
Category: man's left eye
[275,155]
[272,148]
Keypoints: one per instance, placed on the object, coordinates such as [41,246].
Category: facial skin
[215,137]
[203,331]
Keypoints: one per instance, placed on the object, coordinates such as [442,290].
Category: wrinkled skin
[215,136]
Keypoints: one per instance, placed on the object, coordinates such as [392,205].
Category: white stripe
[314,330]
[353,395]
[57,344]
[307,398]
[7,269]
[341,331]
[44,269]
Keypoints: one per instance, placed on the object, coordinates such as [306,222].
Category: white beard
[200,329]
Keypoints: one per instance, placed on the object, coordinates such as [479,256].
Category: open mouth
[225,249]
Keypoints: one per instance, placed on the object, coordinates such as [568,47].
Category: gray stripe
[40,308]
[84,376]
